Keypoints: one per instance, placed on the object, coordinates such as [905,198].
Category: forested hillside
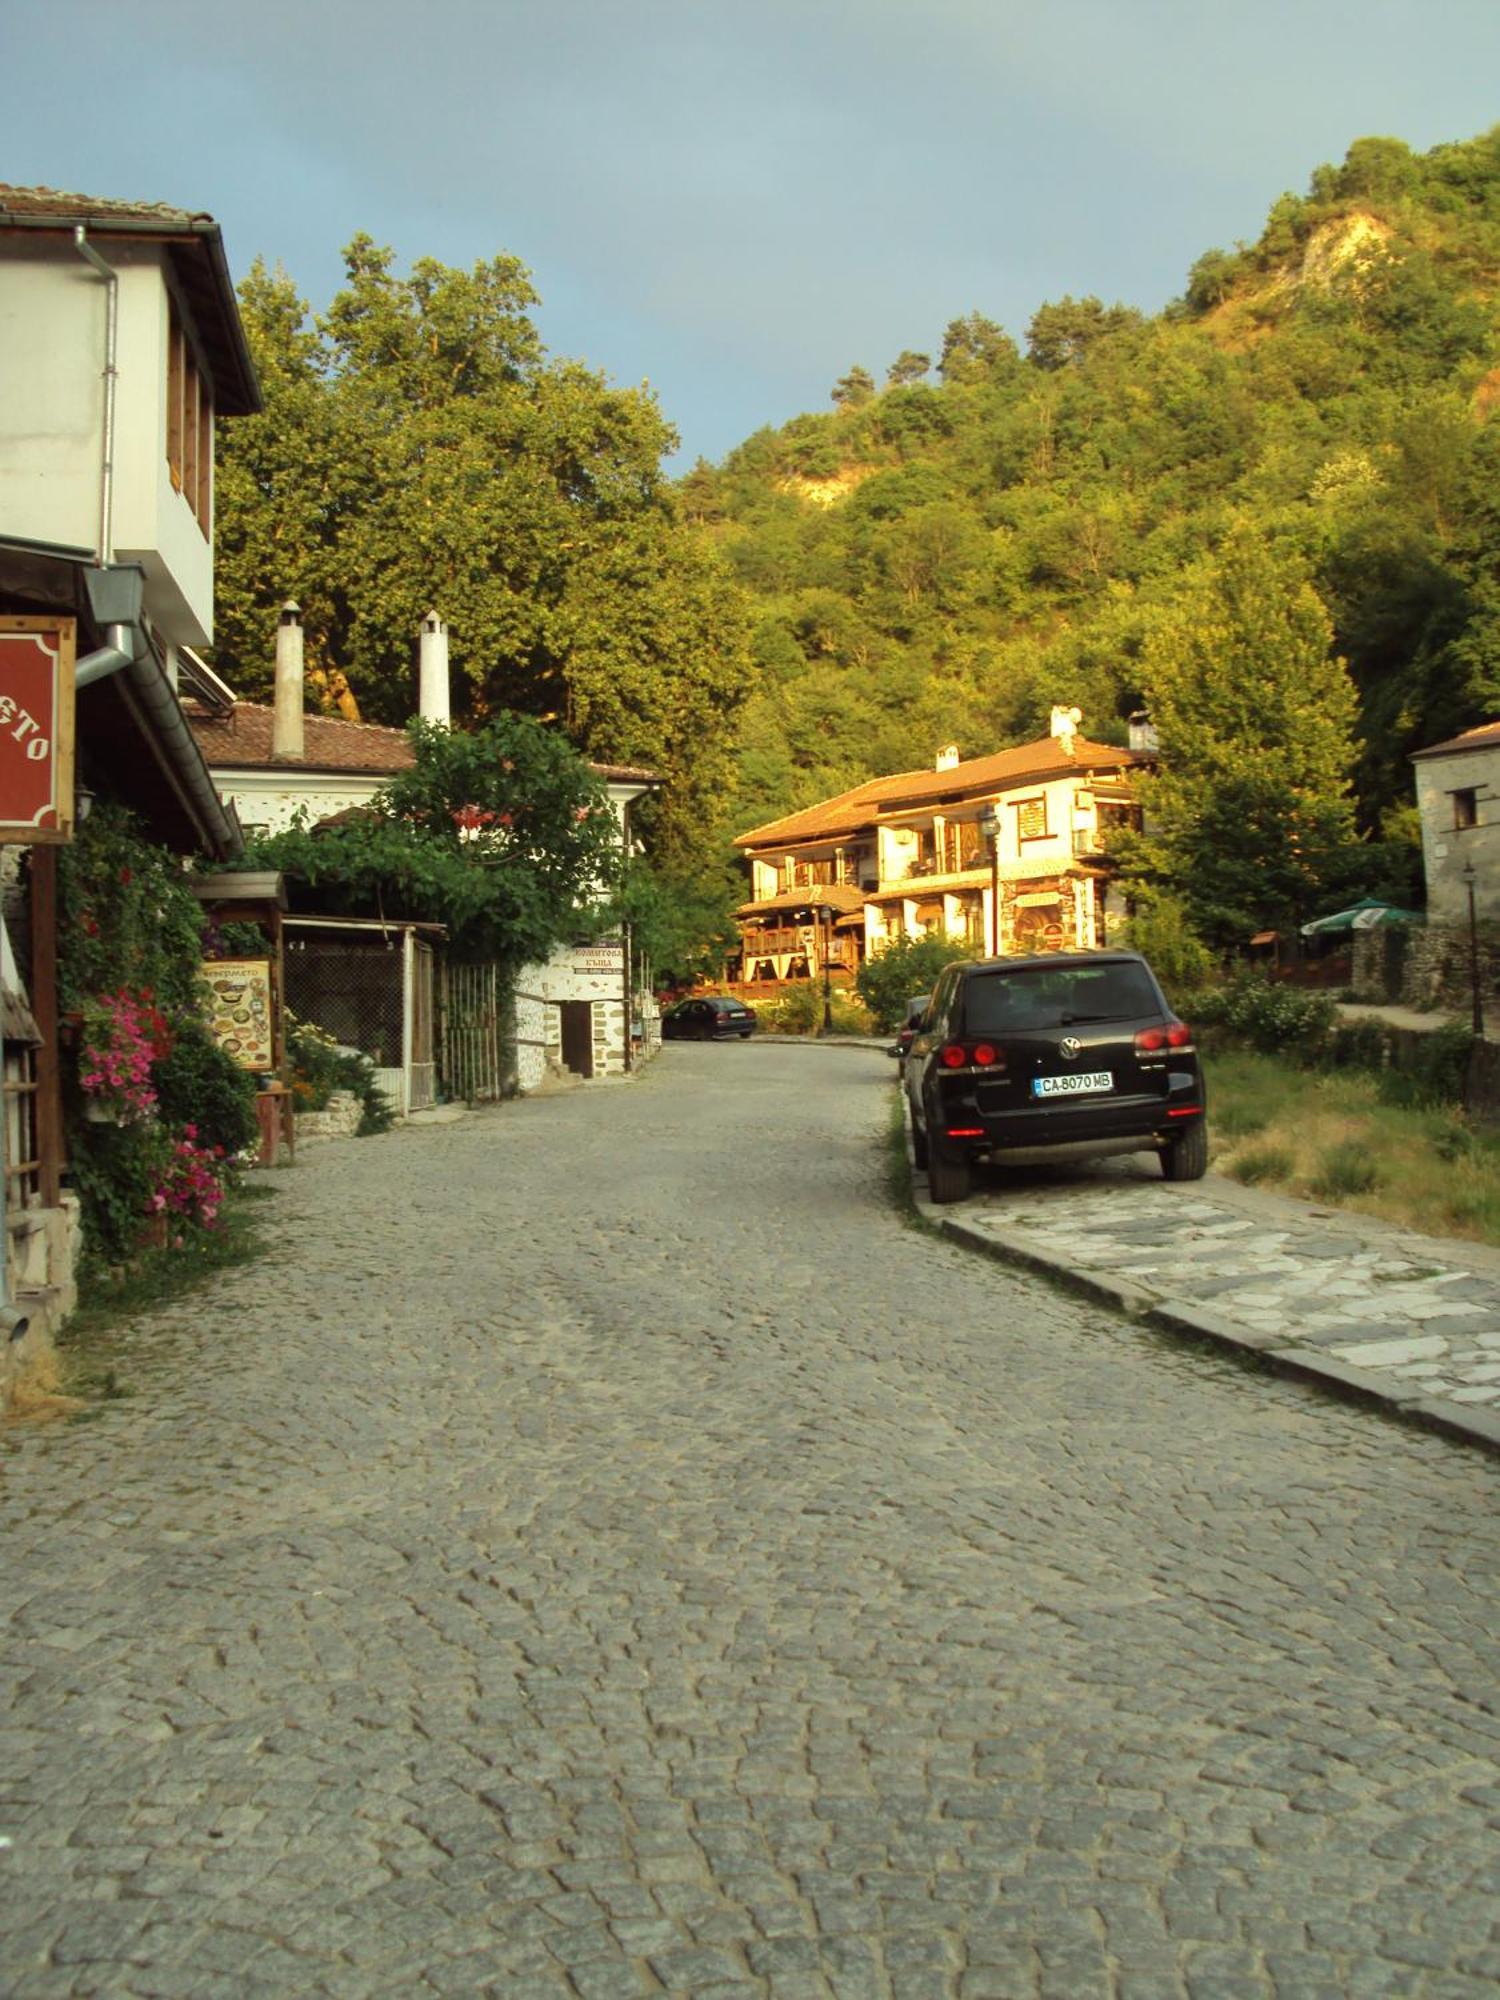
[942,556]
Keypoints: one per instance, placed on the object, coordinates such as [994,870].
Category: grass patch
[898,1180]
[1336,1137]
[1260,1163]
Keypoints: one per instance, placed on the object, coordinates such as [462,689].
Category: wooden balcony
[783,943]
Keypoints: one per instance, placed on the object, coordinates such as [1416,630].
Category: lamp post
[990,826]
[824,915]
[1477,1003]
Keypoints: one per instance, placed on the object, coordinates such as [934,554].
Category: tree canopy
[418,449]
[501,833]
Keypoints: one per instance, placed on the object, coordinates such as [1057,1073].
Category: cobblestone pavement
[1411,1321]
[611,1554]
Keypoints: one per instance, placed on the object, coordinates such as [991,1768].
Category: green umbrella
[1361,916]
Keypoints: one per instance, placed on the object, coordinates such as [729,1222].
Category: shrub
[1359,1045]
[1345,1169]
[320,1066]
[1161,932]
[1276,1020]
[798,1010]
[197,1083]
[1436,1071]
[905,967]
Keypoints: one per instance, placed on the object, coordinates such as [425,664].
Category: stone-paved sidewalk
[1412,1321]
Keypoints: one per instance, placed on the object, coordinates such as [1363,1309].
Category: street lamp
[824,915]
[1477,1003]
[989,826]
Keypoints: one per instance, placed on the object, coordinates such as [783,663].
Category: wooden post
[49,1127]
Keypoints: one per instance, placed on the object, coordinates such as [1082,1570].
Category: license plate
[1085,1083]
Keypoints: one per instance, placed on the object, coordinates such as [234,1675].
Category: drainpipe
[105,551]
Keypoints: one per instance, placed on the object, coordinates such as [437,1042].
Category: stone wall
[1428,967]
[45,1245]
[340,1120]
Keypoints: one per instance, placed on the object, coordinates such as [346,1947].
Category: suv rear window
[1053,996]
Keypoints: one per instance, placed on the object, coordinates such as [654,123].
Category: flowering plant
[187,1185]
[123,1034]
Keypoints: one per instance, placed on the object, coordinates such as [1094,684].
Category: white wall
[53,310]
[272,800]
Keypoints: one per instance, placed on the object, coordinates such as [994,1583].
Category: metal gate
[371,987]
[478,1045]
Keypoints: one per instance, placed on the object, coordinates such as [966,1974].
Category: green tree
[1063,333]
[854,390]
[501,833]
[974,349]
[1250,815]
[908,368]
[900,971]
[417,449]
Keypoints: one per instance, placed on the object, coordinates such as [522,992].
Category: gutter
[146,681]
[104,553]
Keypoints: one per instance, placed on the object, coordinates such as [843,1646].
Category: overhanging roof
[195,249]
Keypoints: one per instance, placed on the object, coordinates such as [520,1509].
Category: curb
[1185,1319]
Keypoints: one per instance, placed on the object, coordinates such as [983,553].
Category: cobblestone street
[609,1553]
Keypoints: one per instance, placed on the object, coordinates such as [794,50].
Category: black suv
[1056,1058]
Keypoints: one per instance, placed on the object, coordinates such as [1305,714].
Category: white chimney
[432,680]
[947,757]
[1065,723]
[286,727]
[1143,734]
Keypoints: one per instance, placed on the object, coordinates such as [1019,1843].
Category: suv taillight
[971,1055]
[1153,1041]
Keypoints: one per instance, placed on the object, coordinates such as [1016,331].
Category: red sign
[36,730]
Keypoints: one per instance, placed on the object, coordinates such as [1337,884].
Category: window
[190,424]
[1465,809]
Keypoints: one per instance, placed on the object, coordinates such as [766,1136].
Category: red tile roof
[241,741]
[861,808]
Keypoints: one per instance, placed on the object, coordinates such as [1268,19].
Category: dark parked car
[1023,1060]
[916,1007]
[712,1017]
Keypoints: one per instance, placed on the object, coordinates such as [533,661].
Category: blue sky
[737,200]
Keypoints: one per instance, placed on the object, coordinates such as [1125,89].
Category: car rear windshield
[1056,996]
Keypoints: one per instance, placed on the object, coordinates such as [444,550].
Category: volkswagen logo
[1071,1047]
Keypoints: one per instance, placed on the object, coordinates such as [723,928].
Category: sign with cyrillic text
[36,730]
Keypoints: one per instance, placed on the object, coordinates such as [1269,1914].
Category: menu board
[239,1014]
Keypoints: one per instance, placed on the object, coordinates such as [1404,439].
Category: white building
[120,349]
[572,1014]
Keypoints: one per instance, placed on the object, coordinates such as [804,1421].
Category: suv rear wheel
[1186,1159]
[948,1180]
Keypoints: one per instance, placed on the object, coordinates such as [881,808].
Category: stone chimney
[1065,723]
[947,757]
[432,675]
[1143,736]
[287,746]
